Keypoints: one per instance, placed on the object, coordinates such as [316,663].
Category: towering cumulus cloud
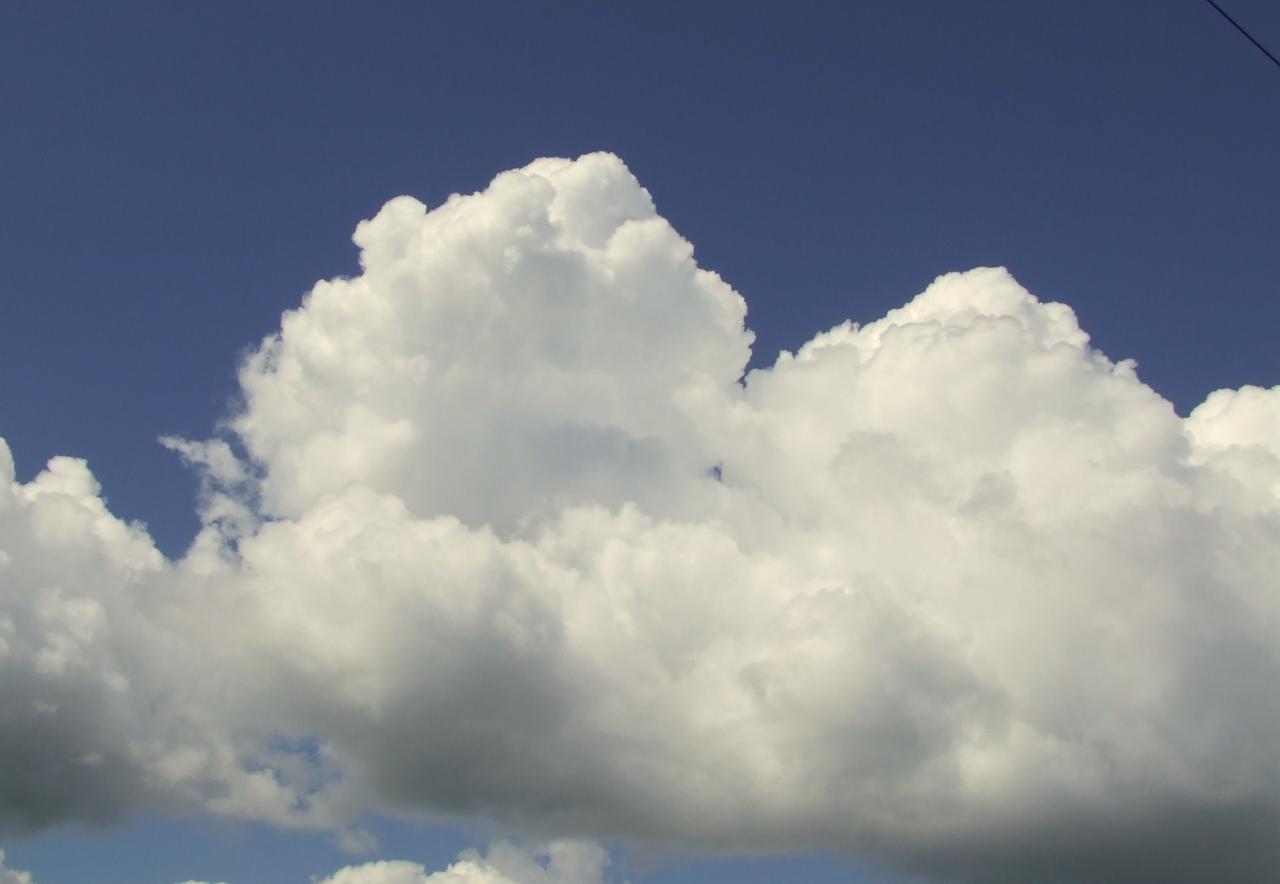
[500,529]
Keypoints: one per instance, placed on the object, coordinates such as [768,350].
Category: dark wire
[1239,28]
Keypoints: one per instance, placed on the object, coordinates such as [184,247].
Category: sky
[506,528]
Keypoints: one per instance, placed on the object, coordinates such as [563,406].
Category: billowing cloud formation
[500,357]
[512,536]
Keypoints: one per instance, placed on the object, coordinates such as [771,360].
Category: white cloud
[559,862]
[13,876]
[536,338]
[951,588]
[75,723]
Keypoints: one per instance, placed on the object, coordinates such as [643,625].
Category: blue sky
[174,176]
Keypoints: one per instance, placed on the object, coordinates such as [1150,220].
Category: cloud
[537,338]
[12,876]
[109,704]
[510,535]
[559,862]
[75,725]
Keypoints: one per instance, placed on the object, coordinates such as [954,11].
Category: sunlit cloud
[501,529]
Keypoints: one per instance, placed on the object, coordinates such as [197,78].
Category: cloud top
[506,350]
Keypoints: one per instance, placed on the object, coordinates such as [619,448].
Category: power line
[1241,29]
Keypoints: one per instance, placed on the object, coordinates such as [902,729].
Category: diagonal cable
[1241,29]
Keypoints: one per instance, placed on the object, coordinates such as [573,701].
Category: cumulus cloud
[562,861]
[13,876]
[509,534]
[80,740]
[537,339]
[559,862]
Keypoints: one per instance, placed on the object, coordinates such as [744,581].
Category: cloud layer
[500,529]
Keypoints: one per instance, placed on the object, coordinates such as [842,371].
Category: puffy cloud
[109,703]
[512,536]
[75,726]
[536,338]
[12,876]
[560,862]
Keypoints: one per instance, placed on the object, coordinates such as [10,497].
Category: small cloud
[559,862]
[13,876]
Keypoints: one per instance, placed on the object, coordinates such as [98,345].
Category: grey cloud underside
[512,536]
